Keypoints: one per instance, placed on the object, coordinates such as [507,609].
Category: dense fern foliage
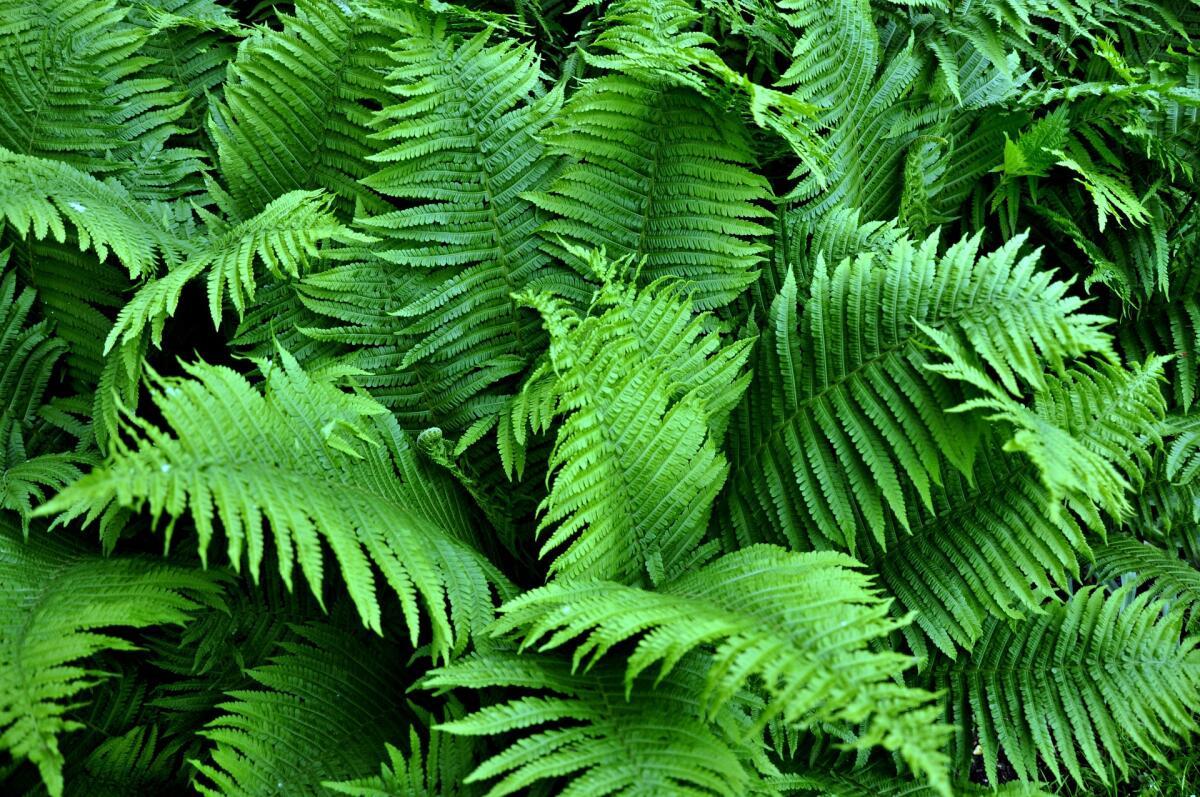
[621,397]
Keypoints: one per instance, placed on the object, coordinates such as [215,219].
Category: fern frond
[319,711]
[659,174]
[307,460]
[72,85]
[58,599]
[39,195]
[1158,569]
[635,467]
[845,410]
[298,104]
[640,741]
[799,625]
[284,236]
[1084,683]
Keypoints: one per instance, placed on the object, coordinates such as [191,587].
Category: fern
[1088,681]
[343,486]
[798,623]
[58,598]
[846,409]
[635,467]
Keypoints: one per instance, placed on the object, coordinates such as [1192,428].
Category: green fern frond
[58,598]
[635,467]
[319,711]
[1160,570]
[640,741]
[799,625]
[298,104]
[1083,684]
[988,549]
[845,410]
[283,237]
[308,460]
[72,85]
[39,195]
[658,174]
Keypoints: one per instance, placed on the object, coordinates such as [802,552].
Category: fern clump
[642,398]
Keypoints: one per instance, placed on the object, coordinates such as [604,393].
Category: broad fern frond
[462,149]
[659,174]
[320,711]
[635,467]
[1083,684]
[58,598]
[642,741]
[799,625]
[307,460]
[298,104]
[845,409]
[1156,569]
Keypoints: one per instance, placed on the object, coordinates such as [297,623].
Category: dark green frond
[58,599]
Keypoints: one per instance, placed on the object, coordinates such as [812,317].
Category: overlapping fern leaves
[655,397]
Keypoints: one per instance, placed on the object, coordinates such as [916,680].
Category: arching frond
[309,461]
[38,195]
[659,174]
[799,625]
[635,467]
[1083,684]
[319,711]
[845,409]
[283,237]
[58,599]
[640,741]
[1155,568]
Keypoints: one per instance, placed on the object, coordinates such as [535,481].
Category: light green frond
[38,196]
[298,104]
[845,410]
[322,709]
[636,466]
[598,735]
[798,625]
[1084,684]
[283,237]
[58,599]
[658,173]
[1088,432]
[315,465]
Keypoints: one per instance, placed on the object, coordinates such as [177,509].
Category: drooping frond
[636,465]
[659,174]
[283,237]
[313,463]
[298,104]
[845,410]
[1083,684]
[39,195]
[798,625]
[322,709]
[642,741]
[1089,432]
[1159,570]
[58,598]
